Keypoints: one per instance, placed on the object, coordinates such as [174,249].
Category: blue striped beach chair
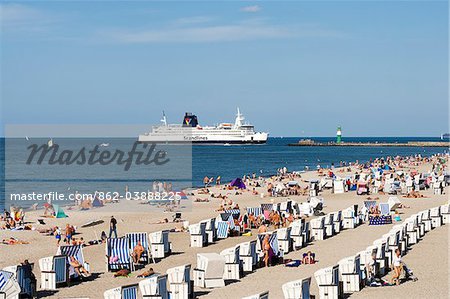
[143,238]
[384,209]
[256,211]
[120,248]
[130,292]
[9,288]
[369,204]
[267,206]
[235,212]
[72,250]
[222,229]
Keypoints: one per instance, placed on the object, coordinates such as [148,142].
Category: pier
[309,142]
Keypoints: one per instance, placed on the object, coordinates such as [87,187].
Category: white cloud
[20,17]
[245,30]
[193,20]
[219,33]
[251,9]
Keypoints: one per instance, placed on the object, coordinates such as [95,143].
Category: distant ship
[191,131]
[445,136]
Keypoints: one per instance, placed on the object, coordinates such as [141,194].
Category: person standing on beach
[113,227]
[69,233]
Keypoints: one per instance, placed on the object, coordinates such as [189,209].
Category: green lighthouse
[339,135]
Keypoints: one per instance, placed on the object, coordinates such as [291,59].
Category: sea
[188,165]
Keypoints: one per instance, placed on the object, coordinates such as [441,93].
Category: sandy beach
[428,259]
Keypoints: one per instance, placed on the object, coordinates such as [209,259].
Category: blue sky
[293,68]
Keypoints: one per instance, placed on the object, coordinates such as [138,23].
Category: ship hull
[258,138]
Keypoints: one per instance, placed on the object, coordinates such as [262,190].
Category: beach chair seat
[338,186]
[337,221]
[262,295]
[142,237]
[437,188]
[54,272]
[436,218]
[209,271]
[222,229]
[118,254]
[123,292]
[412,230]
[329,225]
[248,256]
[284,239]
[75,251]
[297,234]
[297,289]
[318,228]
[383,265]
[179,279]
[232,263]
[349,218]
[210,229]
[26,279]
[350,274]
[154,286]
[426,220]
[198,234]
[328,282]
[160,247]
[445,211]
[306,232]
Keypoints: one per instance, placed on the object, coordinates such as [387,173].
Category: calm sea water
[188,168]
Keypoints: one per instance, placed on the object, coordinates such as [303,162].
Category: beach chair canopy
[237,182]
[9,285]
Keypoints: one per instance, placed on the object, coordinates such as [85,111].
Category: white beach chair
[198,234]
[337,220]
[350,274]
[318,228]
[154,286]
[329,225]
[437,188]
[328,282]
[209,271]
[365,260]
[445,211]
[263,295]
[9,287]
[210,230]
[297,289]
[179,279]
[338,186]
[159,244]
[248,255]
[297,234]
[284,239]
[383,265]
[232,263]
[54,272]
[349,218]
[123,292]
[394,203]
[426,220]
[412,230]
[436,218]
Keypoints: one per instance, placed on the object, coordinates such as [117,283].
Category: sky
[376,68]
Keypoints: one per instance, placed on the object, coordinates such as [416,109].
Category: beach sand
[428,259]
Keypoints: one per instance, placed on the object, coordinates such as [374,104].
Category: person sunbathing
[137,252]
[13,241]
[146,273]
[79,269]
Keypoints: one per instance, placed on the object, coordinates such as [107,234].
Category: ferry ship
[191,131]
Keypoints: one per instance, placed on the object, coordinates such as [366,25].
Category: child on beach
[57,235]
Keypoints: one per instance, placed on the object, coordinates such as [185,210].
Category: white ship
[191,131]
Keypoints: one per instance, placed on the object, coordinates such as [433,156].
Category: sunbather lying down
[79,269]
[414,194]
[13,241]
[146,273]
